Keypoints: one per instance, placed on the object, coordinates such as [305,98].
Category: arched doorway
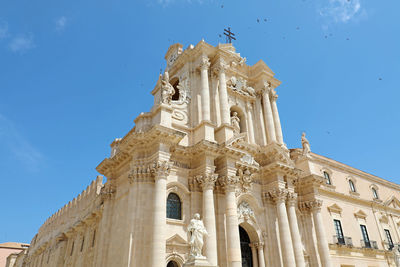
[247,260]
[172,264]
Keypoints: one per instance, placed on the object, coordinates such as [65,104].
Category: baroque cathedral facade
[212,144]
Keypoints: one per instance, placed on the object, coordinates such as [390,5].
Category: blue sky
[75,74]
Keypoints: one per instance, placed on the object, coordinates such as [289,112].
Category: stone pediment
[335,208]
[392,202]
[177,240]
[360,214]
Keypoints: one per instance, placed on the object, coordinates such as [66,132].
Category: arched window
[174,207]
[375,193]
[327,178]
[175,83]
[352,187]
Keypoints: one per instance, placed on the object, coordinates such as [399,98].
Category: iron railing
[343,240]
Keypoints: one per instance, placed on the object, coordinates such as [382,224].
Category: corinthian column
[279,196]
[323,248]
[205,91]
[268,117]
[260,118]
[160,172]
[232,225]
[223,94]
[250,120]
[275,114]
[207,182]
[294,230]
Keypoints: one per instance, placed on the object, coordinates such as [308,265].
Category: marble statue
[167,90]
[305,144]
[235,122]
[196,233]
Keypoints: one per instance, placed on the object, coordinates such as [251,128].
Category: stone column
[160,172]
[205,90]
[223,93]
[294,230]
[323,248]
[260,119]
[269,120]
[261,260]
[232,224]
[277,121]
[253,247]
[250,124]
[207,181]
[279,196]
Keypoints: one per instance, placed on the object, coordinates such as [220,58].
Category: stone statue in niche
[235,122]
[305,144]
[196,233]
[167,90]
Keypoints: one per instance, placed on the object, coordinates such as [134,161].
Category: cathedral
[211,153]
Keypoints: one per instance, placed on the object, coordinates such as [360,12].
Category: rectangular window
[365,236]
[339,232]
[389,239]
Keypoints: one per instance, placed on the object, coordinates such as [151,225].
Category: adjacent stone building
[212,144]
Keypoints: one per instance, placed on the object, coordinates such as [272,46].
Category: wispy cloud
[3,29]
[61,23]
[341,11]
[21,43]
[17,146]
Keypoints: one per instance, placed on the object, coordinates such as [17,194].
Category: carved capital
[229,182]
[273,95]
[207,181]
[278,195]
[260,245]
[313,205]
[267,86]
[292,199]
[160,169]
[204,63]
[220,66]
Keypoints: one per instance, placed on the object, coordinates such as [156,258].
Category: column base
[198,261]
[224,133]
[204,131]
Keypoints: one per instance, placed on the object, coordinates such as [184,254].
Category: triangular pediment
[335,208]
[360,214]
[393,202]
[176,240]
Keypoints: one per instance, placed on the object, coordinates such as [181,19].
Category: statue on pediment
[306,145]
[167,90]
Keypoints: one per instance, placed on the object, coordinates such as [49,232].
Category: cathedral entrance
[247,260]
[172,264]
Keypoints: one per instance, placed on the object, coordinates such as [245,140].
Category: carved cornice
[207,180]
[143,140]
